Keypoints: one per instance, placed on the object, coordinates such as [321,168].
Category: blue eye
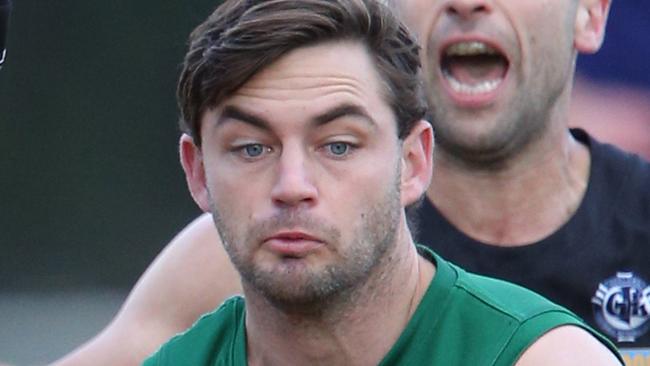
[338,148]
[253,150]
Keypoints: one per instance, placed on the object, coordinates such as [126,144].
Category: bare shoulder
[568,345]
[191,276]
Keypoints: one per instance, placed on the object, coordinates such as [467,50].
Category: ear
[192,162]
[591,19]
[417,162]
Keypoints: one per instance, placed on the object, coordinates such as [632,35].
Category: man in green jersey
[304,138]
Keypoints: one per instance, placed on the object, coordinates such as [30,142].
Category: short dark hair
[241,37]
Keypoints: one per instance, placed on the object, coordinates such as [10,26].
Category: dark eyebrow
[342,111]
[231,112]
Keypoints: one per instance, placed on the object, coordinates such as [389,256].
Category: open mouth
[473,67]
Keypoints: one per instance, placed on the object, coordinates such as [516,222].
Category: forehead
[315,77]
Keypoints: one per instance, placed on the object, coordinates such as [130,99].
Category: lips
[473,70]
[294,244]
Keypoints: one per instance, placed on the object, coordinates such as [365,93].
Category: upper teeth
[470,49]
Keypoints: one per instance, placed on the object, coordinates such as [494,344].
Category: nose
[468,9]
[293,184]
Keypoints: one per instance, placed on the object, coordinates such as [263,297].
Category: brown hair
[241,37]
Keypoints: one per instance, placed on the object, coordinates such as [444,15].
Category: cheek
[234,191]
[366,186]
[413,12]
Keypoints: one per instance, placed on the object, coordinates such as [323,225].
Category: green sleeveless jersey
[463,319]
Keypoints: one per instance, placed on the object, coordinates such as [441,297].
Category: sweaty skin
[193,274]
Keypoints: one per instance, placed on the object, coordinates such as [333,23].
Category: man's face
[493,68]
[302,165]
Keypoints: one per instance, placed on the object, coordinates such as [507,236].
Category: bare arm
[191,276]
[567,346]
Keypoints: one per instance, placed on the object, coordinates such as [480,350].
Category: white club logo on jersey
[622,306]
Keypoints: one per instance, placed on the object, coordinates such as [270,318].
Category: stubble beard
[512,132]
[524,119]
[308,291]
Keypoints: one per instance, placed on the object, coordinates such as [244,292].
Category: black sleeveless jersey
[597,264]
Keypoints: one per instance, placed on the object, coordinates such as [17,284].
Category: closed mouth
[293,235]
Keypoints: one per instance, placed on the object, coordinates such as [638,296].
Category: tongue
[472,70]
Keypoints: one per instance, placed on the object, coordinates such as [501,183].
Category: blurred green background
[90,186]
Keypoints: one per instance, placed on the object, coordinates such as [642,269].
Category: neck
[529,197]
[346,331]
